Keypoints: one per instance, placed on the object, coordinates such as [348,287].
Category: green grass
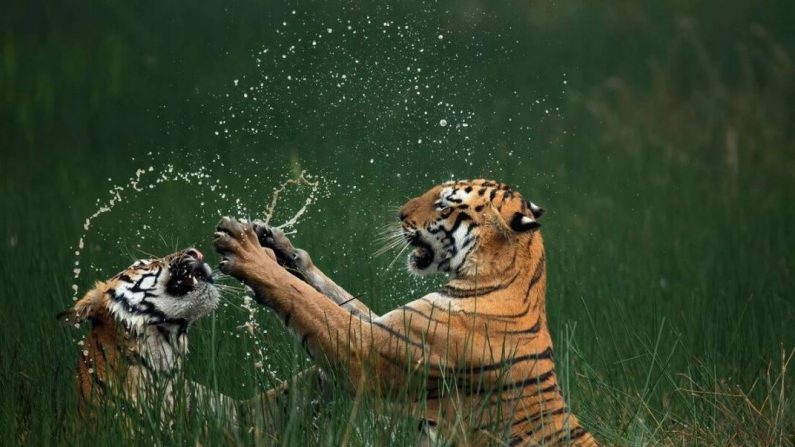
[666,163]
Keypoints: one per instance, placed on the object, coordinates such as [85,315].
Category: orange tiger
[138,338]
[477,353]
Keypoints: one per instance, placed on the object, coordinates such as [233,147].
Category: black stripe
[462,216]
[521,437]
[457,292]
[542,413]
[577,432]
[537,273]
[468,240]
[423,314]
[541,392]
[534,329]
[396,334]
[144,308]
[450,198]
[543,377]
[546,354]
[540,268]
[472,389]
[125,278]
[525,418]
[502,317]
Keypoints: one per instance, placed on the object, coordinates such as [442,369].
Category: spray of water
[147,179]
[251,328]
[304,179]
[142,180]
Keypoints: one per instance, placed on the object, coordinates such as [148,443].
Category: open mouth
[422,256]
[188,271]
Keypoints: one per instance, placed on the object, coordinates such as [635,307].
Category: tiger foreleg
[298,262]
[341,341]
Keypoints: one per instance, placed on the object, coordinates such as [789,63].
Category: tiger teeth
[195,281]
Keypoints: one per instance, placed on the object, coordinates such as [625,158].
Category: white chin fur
[197,303]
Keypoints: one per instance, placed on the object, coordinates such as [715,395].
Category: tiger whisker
[225,288]
[390,233]
[388,237]
[389,245]
[144,252]
[407,245]
[389,227]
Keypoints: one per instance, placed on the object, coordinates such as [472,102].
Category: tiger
[477,353]
[138,340]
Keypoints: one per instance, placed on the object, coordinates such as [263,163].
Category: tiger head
[463,228]
[176,289]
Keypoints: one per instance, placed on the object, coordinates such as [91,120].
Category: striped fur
[139,321]
[476,355]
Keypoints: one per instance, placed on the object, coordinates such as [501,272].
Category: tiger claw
[223,242]
[264,233]
[230,225]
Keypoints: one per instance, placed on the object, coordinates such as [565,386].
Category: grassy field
[658,136]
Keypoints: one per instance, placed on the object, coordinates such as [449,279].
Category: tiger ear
[535,209]
[522,223]
[83,308]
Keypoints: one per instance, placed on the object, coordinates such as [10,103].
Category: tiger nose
[192,252]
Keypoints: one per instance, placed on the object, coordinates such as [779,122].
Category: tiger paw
[295,260]
[242,255]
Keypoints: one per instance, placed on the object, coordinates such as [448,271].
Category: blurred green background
[658,135]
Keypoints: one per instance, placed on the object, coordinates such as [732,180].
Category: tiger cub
[480,345]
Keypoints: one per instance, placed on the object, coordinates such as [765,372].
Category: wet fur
[138,340]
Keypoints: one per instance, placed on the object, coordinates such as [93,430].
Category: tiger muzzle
[188,271]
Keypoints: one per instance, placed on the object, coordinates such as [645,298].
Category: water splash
[251,327]
[149,178]
[139,182]
[304,179]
